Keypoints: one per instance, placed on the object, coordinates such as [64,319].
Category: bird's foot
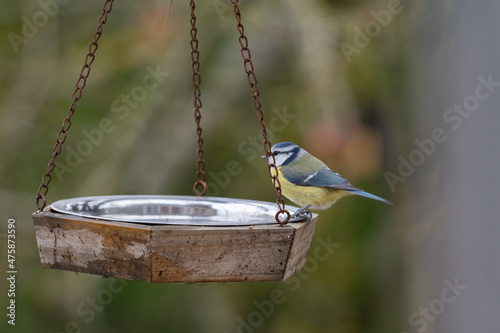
[302,213]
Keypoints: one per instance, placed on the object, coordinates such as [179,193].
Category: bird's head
[285,152]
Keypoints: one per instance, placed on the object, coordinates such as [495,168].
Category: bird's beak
[263,156]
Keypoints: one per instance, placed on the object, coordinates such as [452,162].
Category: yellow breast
[317,197]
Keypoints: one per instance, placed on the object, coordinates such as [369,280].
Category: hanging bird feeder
[165,239]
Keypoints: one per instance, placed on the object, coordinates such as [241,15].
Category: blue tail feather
[371,196]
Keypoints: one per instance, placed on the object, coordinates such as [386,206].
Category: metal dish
[179,210]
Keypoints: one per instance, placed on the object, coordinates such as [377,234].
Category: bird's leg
[300,211]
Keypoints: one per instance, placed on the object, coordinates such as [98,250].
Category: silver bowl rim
[264,211]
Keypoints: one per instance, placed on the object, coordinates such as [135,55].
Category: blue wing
[322,178]
[325,177]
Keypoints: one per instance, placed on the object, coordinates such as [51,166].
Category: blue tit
[309,182]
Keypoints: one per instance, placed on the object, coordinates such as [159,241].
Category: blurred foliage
[344,113]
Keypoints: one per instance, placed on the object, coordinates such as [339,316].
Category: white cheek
[270,159]
[281,158]
[276,158]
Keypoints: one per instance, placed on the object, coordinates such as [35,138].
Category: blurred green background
[351,98]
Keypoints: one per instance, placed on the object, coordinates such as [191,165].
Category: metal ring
[277,217]
[197,184]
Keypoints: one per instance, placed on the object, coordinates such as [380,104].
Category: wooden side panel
[97,247]
[175,254]
[300,246]
[221,254]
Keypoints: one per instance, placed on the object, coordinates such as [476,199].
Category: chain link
[200,186]
[252,80]
[41,200]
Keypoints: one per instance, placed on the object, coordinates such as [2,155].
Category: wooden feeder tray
[165,239]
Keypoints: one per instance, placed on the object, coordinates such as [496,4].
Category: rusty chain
[252,80]
[77,94]
[200,186]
